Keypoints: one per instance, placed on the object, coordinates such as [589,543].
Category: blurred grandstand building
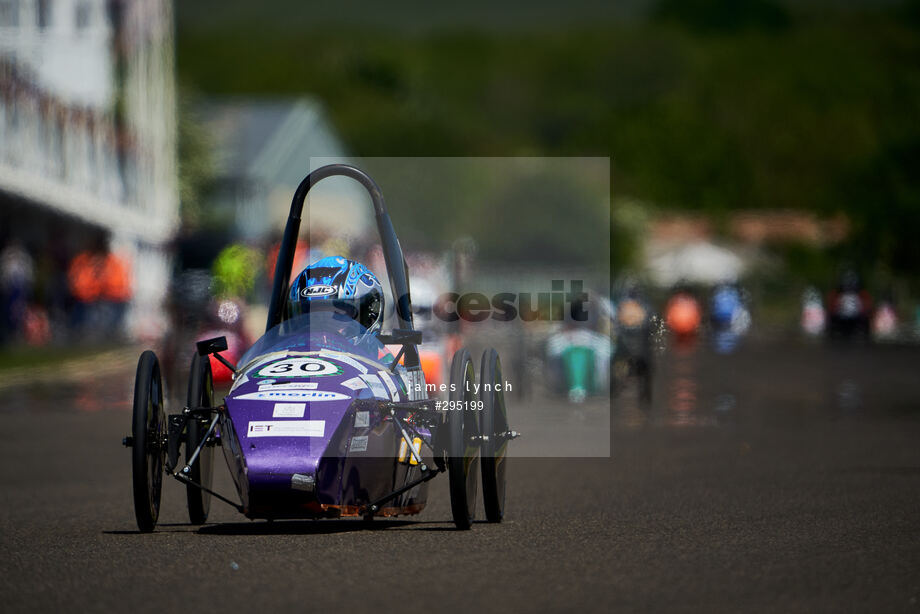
[263,149]
[88,137]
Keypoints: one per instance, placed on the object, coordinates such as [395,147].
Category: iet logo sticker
[286,428]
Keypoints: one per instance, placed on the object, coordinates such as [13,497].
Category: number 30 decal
[299,367]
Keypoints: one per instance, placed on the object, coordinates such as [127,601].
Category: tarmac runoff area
[781,478]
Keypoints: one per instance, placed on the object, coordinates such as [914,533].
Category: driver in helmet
[346,288]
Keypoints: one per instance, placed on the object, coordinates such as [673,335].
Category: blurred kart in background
[321,421]
[682,314]
[577,362]
[729,316]
[849,308]
[632,356]
[885,321]
[814,317]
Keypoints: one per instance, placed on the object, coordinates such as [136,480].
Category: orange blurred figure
[36,326]
[682,314]
[115,280]
[84,275]
[301,258]
[102,284]
[432,366]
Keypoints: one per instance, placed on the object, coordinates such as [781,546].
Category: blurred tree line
[702,105]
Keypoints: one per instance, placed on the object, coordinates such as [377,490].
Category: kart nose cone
[283,445]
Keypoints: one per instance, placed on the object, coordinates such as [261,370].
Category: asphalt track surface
[781,478]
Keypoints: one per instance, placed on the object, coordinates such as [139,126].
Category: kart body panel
[317,446]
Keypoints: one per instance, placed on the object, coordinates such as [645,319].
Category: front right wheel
[493,424]
[462,440]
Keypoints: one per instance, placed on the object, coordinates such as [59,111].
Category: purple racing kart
[321,420]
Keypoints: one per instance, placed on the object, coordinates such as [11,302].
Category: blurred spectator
[632,324]
[36,326]
[101,285]
[59,301]
[16,280]
[84,280]
[302,257]
[115,291]
[235,270]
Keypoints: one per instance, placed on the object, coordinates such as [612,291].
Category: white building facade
[88,128]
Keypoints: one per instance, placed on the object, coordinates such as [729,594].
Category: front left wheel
[149,447]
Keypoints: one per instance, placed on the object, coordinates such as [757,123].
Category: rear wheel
[493,424]
[200,394]
[149,433]
[463,447]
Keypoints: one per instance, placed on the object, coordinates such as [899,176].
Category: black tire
[463,447]
[200,394]
[148,452]
[493,424]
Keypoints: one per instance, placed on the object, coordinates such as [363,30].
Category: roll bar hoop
[397,271]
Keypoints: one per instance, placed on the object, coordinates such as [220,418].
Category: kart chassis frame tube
[187,480]
[371,508]
[182,475]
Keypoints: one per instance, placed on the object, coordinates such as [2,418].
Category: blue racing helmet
[339,285]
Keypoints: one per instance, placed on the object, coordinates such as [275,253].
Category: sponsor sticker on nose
[289,410]
[286,428]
